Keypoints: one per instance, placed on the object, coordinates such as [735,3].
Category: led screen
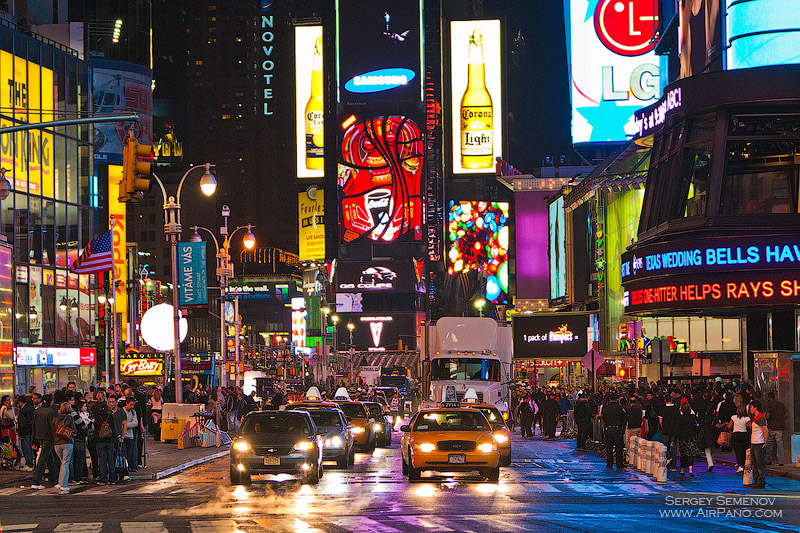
[308,100]
[476,95]
[477,236]
[311,224]
[762,32]
[700,40]
[530,214]
[548,335]
[613,70]
[558,253]
[380,179]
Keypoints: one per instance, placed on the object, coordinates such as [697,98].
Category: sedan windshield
[326,418]
[450,421]
[353,410]
[492,415]
[282,424]
[375,410]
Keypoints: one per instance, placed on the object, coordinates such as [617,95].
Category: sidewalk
[162,460]
[788,470]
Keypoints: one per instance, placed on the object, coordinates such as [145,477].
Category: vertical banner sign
[311,206]
[28,155]
[116,212]
[476,95]
[192,274]
[265,65]
[308,100]
[613,69]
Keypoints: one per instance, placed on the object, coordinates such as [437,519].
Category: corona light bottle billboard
[313,114]
[477,126]
[309,101]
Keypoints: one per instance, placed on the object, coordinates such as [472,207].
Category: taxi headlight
[303,446]
[335,442]
[486,447]
[500,438]
[505,415]
[241,446]
[357,430]
[427,447]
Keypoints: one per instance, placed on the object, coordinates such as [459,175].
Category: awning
[386,359]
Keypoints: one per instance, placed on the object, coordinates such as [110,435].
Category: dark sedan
[276,442]
[338,442]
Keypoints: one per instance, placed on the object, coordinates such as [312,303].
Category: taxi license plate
[457,458]
[272,461]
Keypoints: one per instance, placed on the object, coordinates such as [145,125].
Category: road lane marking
[18,528]
[143,527]
[540,487]
[79,527]
[429,523]
[281,525]
[9,492]
[362,524]
[636,489]
[213,526]
[587,488]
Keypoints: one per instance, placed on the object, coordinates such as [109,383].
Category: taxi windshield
[450,421]
[375,410]
[353,410]
[491,414]
[326,418]
[276,425]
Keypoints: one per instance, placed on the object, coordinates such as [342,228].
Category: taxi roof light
[341,394]
[313,394]
[471,396]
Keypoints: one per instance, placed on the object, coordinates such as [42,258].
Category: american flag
[98,256]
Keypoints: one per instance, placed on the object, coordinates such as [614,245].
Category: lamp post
[224,273]
[172,229]
[335,319]
[69,307]
[351,327]
[480,303]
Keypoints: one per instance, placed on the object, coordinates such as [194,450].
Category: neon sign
[654,116]
[379,80]
[711,255]
[736,289]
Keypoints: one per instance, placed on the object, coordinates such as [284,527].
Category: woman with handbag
[63,431]
[686,435]
[740,438]
[8,420]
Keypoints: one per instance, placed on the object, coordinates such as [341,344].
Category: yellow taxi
[312,398]
[498,421]
[449,439]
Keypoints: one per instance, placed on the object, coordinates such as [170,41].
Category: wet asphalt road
[549,487]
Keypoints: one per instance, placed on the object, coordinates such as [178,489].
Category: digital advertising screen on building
[309,101]
[380,179]
[613,70]
[476,94]
[311,224]
[379,50]
[478,239]
[700,36]
[557,251]
[379,332]
[551,335]
[762,32]
[532,272]
[26,93]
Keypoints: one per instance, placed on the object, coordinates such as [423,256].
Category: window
[165,271]
[152,235]
[151,218]
[143,236]
[699,161]
[465,369]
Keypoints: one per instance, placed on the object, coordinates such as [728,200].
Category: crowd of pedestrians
[691,420]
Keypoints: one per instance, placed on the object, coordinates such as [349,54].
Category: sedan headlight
[427,447]
[334,442]
[356,430]
[486,447]
[303,446]
[376,427]
[241,446]
[500,438]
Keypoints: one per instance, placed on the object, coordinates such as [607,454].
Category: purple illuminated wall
[532,240]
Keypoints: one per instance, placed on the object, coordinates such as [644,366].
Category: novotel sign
[379,80]
[718,254]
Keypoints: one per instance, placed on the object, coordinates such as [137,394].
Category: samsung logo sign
[380,80]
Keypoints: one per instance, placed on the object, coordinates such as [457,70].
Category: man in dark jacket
[668,420]
[614,420]
[776,415]
[583,419]
[25,429]
[551,412]
[141,410]
[525,417]
[43,441]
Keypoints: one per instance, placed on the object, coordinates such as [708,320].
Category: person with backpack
[63,431]
[107,435]
[83,426]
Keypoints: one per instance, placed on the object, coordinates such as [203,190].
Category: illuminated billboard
[700,37]
[476,94]
[308,100]
[379,51]
[477,236]
[550,335]
[613,70]
[26,93]
[558,250]
[380,179]
[311,228]
[762,32]
[530,214]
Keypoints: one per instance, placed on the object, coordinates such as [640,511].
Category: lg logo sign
[627,27]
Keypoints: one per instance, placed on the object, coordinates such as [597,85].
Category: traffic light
[621,373]
[135,171]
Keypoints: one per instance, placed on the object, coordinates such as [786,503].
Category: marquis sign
[719,254]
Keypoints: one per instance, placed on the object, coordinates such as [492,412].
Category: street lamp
[224,273]
[172,229]
[351,327]
[479,305]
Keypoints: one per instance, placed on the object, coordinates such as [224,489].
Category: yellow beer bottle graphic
[314,142]
[477,126]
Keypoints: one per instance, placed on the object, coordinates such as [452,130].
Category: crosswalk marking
[18,528]
[636,489]
[540,487]
[143,527]
[213,526]
[287,525]
[78,527]
[427,522]
[587,488]
[362,524]
[9,492]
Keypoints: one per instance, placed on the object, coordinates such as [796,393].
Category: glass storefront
[52,212]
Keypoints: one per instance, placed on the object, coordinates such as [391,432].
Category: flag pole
[114,305]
